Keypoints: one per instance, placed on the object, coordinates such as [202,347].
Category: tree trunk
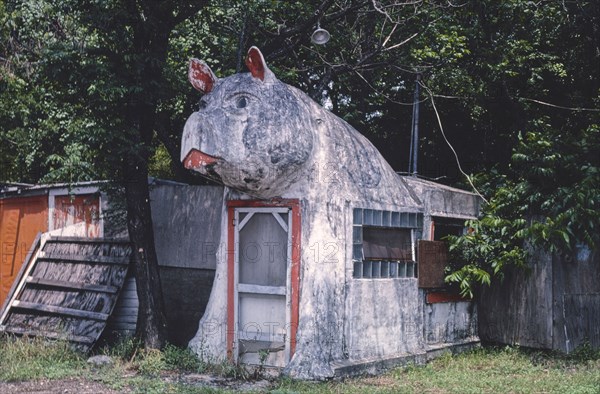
[151,321]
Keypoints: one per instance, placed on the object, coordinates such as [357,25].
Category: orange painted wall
[21,218]
[69,210]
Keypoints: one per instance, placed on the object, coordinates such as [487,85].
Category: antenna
[414,131]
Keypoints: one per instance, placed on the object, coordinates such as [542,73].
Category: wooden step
[59,310]
[49,334]
[72,285]
[83,240]
[79,258]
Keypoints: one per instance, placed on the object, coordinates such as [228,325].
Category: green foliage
[505,369]
[152,362]
[551,202]
[182,359]
[584,352]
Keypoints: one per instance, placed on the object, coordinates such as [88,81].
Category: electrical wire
[450,145]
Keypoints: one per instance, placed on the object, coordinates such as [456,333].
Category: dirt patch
[88,386]
[46,386]
[203,380]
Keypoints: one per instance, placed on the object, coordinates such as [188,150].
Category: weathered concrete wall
[442,200]
[264,139]
[383,318]
[450,322]
[555,305]
[446,322]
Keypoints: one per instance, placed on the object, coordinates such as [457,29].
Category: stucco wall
[384,318]
[449,322]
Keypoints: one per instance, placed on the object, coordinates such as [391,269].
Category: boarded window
[433,255]
[433,258]
[70,210]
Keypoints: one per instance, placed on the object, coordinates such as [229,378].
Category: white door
[262,285]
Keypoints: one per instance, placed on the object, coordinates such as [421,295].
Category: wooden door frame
[294,206]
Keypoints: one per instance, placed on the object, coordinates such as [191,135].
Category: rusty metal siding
[433,256]
[21,219]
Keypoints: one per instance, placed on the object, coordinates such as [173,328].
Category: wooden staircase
[67,289]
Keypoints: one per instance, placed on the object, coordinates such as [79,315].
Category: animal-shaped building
[318,268]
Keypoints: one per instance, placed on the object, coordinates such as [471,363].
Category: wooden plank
[257,289]
[439,297]
[73,285]
[89,240]
[129,319]
[60,310]
[74,258]
[118,325]
[50,334]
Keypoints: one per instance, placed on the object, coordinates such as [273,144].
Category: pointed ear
[257,65]
[201,76]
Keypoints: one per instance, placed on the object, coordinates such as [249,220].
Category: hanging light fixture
[320,36]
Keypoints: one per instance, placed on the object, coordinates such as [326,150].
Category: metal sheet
[20,221]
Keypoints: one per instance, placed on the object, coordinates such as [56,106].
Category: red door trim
[230,281]
[294,205]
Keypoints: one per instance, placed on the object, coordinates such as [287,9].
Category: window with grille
[383,243]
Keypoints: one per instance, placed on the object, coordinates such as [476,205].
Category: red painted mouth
[197,159]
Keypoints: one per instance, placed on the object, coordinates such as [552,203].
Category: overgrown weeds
[173,369]
[35,358]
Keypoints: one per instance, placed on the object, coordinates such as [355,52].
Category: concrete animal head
[251,132]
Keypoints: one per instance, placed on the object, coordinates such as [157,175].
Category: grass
[490,370]
[31,358]
[486,370]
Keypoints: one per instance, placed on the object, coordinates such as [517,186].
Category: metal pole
[415,128]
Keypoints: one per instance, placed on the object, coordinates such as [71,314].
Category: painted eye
[202,104]
[241,102]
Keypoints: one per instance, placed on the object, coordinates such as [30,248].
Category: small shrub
[150,362]
[584,352]
[182,359]
[124,348]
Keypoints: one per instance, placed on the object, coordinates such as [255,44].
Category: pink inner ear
[255,63]
[201,76]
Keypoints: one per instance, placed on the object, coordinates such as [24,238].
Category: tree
[100,65]
[97,89]
[547,195]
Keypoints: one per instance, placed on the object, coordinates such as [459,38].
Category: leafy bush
[550,202]
[182,359]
